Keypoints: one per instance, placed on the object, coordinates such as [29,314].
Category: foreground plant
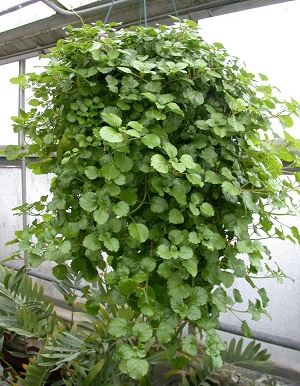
[166,168]
[39,348]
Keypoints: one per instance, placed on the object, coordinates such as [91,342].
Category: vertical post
[21,142]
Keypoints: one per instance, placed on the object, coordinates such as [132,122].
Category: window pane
[10,182]
[25,15]
[73,4]
[8,102]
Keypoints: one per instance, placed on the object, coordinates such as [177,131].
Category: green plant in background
[26,319]
[166,169]
[40,348]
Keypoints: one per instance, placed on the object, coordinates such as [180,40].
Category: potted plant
[165,172]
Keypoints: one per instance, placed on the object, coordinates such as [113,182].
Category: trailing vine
[166,169]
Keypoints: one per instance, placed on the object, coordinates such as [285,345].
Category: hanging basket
[164,170]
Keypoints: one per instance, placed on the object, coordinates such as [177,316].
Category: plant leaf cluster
[88,352]
[166,170]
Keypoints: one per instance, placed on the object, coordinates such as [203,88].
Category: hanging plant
[165,172]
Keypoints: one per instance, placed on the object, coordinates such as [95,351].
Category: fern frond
[251,356]
[36,374]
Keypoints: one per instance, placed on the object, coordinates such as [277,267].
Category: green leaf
[207,209]
[83,265]
[147,306]
[137,368]
[163,99]
[195,179]
[219,298]
[186,252]
[20,80]
[142,331]
[191,23]
[176,236]
[212,177]
[140,277]
[12,152]
[118,327]
[128,195]
[112,85]
[112,119]
[228,187]
[123,162]
[60,271]
[189,344]
[151,141]
[113,54]
[175,108]
[110,172]
[164,252]
[101,216]
[179,307]
[237,296]
[264,297]
[170,149]
[177,165]
[91,172]
[238,126]
[194,238]
[246,330]
[93,372]
[135,125]
[70,230]
[149,264]
[159,163]
[199,296]
[227,278]
[125,351]
[110,135]
[132,133]
[263,77]
[112,244]
[150,96]
[89,202]
[287,120]
[159,204]
[139,232]
[227,173]
[127,286]
[154,114]
[191,266]
[175,216]
[113,189]
[177,288]
[34,102]
[91,242]
[121,208]
[188,161]
[165,332]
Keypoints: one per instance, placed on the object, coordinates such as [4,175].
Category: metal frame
[17,7]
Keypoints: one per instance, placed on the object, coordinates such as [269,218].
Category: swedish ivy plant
[167,174]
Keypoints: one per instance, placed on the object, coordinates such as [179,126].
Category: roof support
[86,11]
[17,7]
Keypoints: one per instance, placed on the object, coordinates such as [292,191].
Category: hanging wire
[108,12]
[145,13]
[143,9]
[175,8]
